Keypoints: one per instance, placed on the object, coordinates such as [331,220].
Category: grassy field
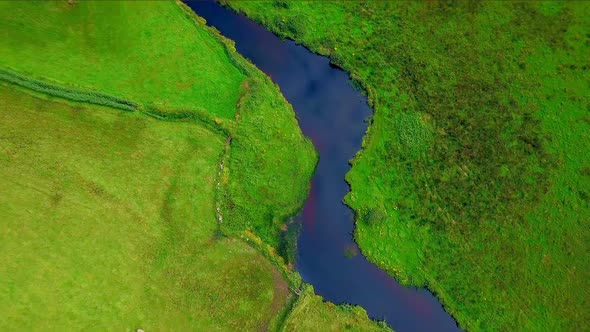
[108,223]
[474,178]
[114,119]
[148,53]
[310,313]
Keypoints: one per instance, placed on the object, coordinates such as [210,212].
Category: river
[334,115]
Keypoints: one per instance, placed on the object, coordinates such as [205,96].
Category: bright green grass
[149,52]
[108,223]
[109,216]
[266,181]
[157,56]
[310,313]
[474,179]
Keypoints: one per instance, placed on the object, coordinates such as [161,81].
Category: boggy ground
[474,178]
[114,120]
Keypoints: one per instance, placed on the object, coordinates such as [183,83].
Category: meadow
[108,222]
[473,180]
[151,54]
[114,120]
[309,314]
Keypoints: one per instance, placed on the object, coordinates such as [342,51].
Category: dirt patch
[280,296]
[281,291]
[184,86]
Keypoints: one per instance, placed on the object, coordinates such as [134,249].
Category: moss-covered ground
[474,178]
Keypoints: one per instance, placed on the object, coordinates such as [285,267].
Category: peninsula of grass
[310,313]
[139,160]
[474,178]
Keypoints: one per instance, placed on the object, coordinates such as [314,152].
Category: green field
[114,121]
[148,53]
[474,178]
[108,222]
[309,313]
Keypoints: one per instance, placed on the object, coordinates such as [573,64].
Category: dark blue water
[333,114]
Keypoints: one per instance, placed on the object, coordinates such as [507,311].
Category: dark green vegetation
[474,177]
[261,190]
[114,121]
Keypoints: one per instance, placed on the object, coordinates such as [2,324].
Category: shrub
[373,215]
[281,4]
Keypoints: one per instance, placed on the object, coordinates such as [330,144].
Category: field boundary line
[91,97]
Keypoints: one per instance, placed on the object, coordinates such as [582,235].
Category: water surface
[333,114]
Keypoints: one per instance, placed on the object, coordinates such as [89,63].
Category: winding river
[334,115]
